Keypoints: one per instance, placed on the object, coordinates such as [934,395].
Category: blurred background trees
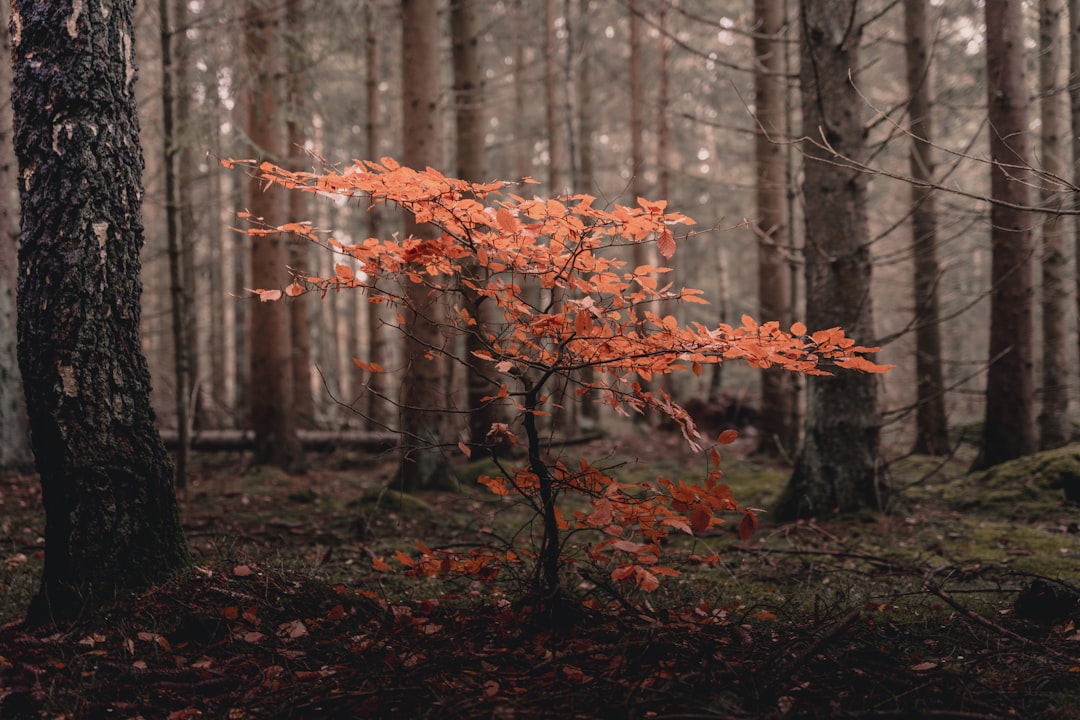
[712,126]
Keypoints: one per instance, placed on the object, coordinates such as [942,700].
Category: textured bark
[272,398]
[1009,427]
[837,468]
[469,122]
[1054,425]
[107,482]
[778,414]
[14,432]
[931,431]
[423,464]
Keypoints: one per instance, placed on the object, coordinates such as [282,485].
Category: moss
[1028,483]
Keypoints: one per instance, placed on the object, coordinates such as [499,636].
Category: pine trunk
[931,431]
[1009,427]
[1054,425]
[272,413]
[778,415]
[423,391]
[837,468]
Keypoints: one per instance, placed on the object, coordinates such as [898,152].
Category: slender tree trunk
[181,349]
[378,413]
[586,179]
[272,397]
[1009,427]
[1074,106]
[774,278]
[557,161]
[640,252]
[297,119]
[14,432]
[111,517]
[469,117]
[1054,424]
[931,431]
[837,467]
[423,464]
[216,279]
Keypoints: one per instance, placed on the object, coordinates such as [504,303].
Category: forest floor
[910,614]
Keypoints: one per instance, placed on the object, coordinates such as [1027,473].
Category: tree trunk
[780,434]
[1009,427]
[179,296]
[1054,425]
[272,397]
[837,468]
[111,518]
[469,121]
[1074,105]
[297,119]
[931,431]
[14,433]
[378,411]
[423,464]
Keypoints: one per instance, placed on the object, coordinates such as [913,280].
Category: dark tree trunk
[837,468]
[1009,428]
[107,482]
[931,431]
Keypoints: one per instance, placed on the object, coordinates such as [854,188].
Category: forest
[540,358]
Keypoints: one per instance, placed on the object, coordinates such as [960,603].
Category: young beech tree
[558,244]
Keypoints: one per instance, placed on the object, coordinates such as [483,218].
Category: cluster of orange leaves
[606,318]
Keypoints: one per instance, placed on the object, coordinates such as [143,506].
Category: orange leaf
[294,289]
[465,449]
[666,244]
[727,437]
[747,526]
[700,518]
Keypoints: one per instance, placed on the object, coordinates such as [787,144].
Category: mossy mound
[1048,476]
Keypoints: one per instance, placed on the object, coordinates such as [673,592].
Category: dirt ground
[909,614]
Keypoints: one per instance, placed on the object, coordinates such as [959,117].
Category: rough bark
[1009,426]
[837,467]
[14,432]
[1054,425]
[107,482]
[778,414]
[272,395]
[423,386]
[931,430]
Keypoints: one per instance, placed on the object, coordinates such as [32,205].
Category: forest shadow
[284,614]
